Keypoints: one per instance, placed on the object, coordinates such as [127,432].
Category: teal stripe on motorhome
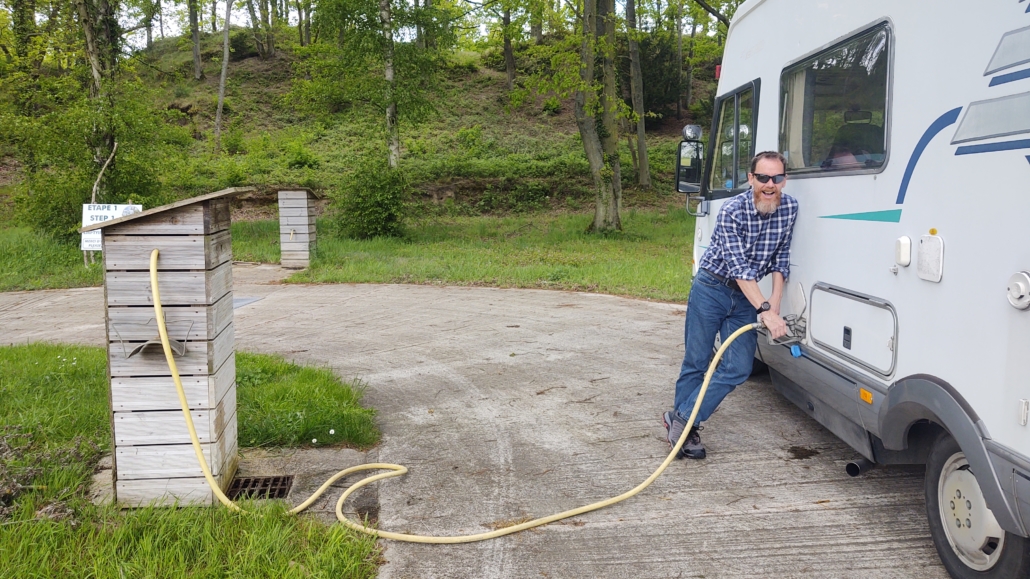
[890,216]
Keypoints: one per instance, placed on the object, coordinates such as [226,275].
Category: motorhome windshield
[834,106]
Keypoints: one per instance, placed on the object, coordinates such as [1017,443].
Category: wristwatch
[765,307]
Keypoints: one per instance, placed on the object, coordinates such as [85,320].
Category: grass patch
[31,261]
[256,241]
[283,404]
[54,426]
[649,259]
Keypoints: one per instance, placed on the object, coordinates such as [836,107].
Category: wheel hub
[973,532]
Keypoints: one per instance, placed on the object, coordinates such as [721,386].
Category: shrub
[371,202]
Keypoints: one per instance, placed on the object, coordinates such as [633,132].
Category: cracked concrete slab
[507,404]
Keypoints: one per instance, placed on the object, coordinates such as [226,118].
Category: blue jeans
[713,307]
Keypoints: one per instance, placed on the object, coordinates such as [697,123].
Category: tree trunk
[637,85]
[607,216]
[536,21]
[254,31]
[679,59]
[509,54]
[393,138]
[300,22]
[23,15]
[198,71]
[690,65]
[214,16]
[601,171]
[99,22]
[221,79]
[160,19]
[267,25]
[307,22]
[718,15]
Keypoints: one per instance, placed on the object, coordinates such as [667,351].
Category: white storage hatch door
[856,327]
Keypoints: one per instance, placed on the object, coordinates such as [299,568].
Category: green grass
[256,241]
[30,261]
[54,426]
[283,404]
[650,259]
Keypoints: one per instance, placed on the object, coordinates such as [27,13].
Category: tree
[509,54]
[393,136]
[595,113]
[99,22]
[637,95]
[221,79]
[198,70]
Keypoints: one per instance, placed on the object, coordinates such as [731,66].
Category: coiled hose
[393,470]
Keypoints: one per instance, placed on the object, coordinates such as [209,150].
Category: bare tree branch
[713,12]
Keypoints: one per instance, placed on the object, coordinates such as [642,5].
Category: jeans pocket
[706,279]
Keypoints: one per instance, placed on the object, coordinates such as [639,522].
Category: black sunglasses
[777,179]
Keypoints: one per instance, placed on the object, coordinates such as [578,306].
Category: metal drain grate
[260,487]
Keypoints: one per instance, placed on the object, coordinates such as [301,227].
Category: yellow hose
[398,470]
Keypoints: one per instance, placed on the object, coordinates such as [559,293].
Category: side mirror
[688,166]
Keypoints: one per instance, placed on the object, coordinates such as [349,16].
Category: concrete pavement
[510,404]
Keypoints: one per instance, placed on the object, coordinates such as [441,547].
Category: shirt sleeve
[733,232]
[781,257]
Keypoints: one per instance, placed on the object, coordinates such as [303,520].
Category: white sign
[97,212]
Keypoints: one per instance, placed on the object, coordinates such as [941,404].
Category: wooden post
[296,227]
[154,461]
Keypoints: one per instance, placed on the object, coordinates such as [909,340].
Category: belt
[728,282]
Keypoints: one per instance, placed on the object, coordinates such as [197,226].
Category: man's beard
[766,207]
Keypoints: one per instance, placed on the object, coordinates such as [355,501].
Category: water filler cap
[1019,290]
[795,350]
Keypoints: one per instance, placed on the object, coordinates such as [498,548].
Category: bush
[371,202]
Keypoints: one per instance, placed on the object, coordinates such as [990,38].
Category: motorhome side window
[834,106]
[734,139]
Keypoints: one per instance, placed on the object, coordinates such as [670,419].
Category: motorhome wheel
[967,536]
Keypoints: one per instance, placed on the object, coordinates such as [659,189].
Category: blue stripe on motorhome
[946,120]
[993,147]
[889,216]
[1011,77]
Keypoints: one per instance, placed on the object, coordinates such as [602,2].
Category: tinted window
[834,106]
[734,141]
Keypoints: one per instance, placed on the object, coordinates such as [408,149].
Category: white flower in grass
[331,432]
[314,440]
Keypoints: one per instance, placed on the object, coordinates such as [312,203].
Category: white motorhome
[906,127]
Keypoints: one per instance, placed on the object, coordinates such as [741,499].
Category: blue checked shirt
[748,245]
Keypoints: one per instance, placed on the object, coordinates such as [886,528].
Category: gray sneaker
[692,447]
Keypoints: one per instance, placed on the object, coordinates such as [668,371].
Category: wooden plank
[176,460]
[169,426]
[192,491]
[202,322]
[132,252]
[293,212]
[226,193]
[308,221]
[217,215]
[202,357]
[294,246]
[189,220]
[296,237]
[293,203]
[178,288]
[295,263]
[301,194]
[158,392]
[306,228]
[305,255]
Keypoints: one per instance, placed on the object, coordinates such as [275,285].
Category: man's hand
[774,323]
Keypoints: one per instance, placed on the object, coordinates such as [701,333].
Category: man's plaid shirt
[749,245]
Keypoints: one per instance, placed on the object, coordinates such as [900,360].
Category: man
[751,240]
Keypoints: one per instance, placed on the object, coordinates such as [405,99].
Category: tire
[968,538]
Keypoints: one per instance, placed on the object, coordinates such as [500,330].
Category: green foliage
[371,202]
[283,404]
[299,157]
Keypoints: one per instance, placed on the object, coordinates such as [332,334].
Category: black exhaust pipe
[859,466]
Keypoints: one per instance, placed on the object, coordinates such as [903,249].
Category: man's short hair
[774,155]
